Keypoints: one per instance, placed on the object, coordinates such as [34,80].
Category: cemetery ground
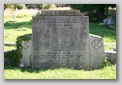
[22,24]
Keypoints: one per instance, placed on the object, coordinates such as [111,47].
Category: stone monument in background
[61,39]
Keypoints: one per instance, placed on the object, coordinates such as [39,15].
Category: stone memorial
[96,51]
[26,53]
[61,39]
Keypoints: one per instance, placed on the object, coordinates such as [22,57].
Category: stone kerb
[111,56]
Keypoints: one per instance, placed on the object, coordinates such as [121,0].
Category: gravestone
[26,54]
[61,39]
[111,56]
[96,51]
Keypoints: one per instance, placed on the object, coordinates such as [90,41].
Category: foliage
[51,6]
[94,11]
[40,6]
[19,44]
[5,6]
[20,6]
[10,6]
[11,58]
[14,6]
[44,6]
[14,56]
[106,63]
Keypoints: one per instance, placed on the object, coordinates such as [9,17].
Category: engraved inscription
[64,34]
[59,39]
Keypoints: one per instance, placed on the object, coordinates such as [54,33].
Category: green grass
[108,72]
[109,36]
[13,29]
[10,35]
[9,47]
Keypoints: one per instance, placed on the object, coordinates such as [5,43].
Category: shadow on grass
[16,25]
[101,30]
[30,70]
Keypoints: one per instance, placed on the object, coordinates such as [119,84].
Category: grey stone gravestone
[96,51]
[61,39]
[26,54]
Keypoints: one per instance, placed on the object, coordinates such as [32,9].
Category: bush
[10,58]
[106,63]
[5,6]
[20,6]
[52,6]
[19,44]
[48,6]
[13,57]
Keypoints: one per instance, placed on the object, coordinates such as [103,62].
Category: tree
[14,6]
[40,6]
[97,11]
[5,6]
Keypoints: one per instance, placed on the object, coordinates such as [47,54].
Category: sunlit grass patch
[108,72]
[9,48]
[10,35]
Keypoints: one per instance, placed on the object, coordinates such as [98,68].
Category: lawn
[23,25]
[108,72]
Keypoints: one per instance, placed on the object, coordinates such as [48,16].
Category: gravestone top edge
[109,51]
[60,13]
[92,35]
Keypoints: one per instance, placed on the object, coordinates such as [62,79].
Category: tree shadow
[16,25]
[101,30]
[110,27]
[30,70]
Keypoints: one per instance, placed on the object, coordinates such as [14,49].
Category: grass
[9,47]
[10,35]
[109,36]
[108,72]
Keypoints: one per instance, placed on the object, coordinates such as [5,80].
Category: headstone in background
[13,17]
[26,54]
[96,51]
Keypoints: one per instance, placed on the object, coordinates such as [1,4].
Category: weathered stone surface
[26,54]
[60,13]
[60,41]
[95,60]
[96,52]
[111,56]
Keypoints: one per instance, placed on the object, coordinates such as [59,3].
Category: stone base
[111,56]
